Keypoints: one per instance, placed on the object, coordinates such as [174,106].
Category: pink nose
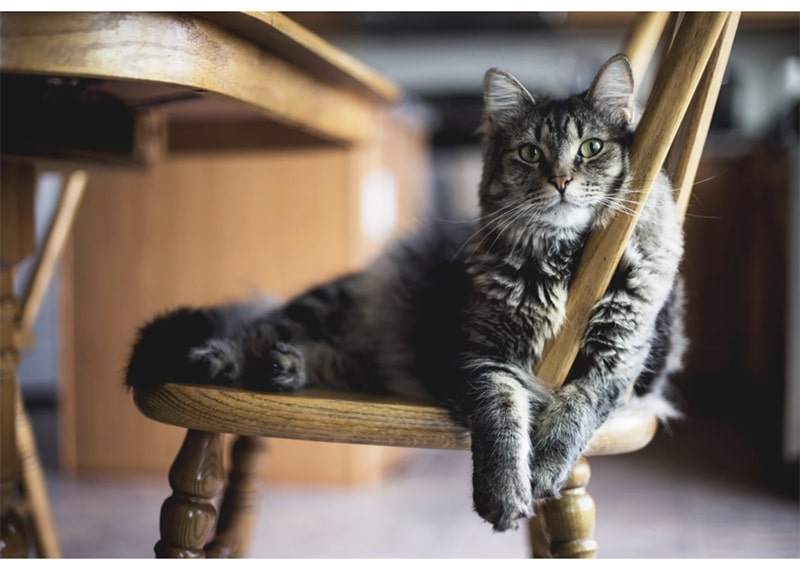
[561,182]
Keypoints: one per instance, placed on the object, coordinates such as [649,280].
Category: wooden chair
[680,107]
[36,507]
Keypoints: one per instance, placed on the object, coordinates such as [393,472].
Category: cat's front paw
[548,476]
[216,360]
[502,498]
[552,464]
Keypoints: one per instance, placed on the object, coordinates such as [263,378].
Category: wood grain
[334,416]
[17,182]
[698,120]
[568,523]
[199,60]
[237,509]
[642,42]
[318,415]
[34,487]
[32,473]
[669,99]
[17,238]
[52,247]
[188,515]
[307,50]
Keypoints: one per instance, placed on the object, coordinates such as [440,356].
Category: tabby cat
[460,313]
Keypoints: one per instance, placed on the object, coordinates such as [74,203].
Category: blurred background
[722,482]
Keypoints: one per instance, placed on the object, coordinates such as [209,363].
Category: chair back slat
[685,155]
[676,82]
[643,41]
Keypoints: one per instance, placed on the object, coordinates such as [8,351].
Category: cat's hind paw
[280,368]
[215,361]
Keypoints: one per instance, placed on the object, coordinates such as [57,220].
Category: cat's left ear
[612,89]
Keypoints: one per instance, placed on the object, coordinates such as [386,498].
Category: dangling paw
[501,492]
[505,507]
[547,479]
[551,466]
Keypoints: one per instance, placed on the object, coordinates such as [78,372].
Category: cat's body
[460,313]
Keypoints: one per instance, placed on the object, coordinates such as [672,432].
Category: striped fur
[460,314]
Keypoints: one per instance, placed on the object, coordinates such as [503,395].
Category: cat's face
[556,163]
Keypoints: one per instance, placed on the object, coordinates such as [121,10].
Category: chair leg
[564,528]
[35,488]
[236,513]
[17,184]
[196,477]
[14,529]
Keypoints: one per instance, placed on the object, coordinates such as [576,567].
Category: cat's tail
[161,350]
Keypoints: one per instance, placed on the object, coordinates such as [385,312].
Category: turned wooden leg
[33,480]
[564,528]
[16,242]
[237,510]
[35,488]
[14,531]
[197,476]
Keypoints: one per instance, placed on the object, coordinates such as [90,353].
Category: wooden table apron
[218,68]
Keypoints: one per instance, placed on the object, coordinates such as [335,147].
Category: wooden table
[128,89]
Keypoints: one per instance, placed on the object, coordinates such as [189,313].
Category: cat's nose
[561,182]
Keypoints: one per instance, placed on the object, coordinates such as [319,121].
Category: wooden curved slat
[204,61]
[335,416]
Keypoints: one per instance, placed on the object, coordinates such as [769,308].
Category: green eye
[530,153]
[591,148]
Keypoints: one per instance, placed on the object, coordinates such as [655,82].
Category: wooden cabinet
[203,228]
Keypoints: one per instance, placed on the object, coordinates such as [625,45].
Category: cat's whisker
[523,232]
[495,224]
[711,217]
[618,207]
[704,180]
[627,203]
[510,223]
[484,224]
[453,221]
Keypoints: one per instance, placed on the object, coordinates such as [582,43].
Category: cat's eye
[530,153]
[591,147]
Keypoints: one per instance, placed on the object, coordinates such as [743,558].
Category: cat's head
[556,163]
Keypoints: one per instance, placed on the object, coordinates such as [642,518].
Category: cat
[459,313]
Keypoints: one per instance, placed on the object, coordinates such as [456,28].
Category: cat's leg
[267,354]
[612,355]
[276,353]
[500,404]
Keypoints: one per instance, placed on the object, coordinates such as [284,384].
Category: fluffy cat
[460,313]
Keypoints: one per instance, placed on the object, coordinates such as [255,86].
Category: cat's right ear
[612,90]
[503,96]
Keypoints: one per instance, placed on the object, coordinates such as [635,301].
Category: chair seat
[347,417]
